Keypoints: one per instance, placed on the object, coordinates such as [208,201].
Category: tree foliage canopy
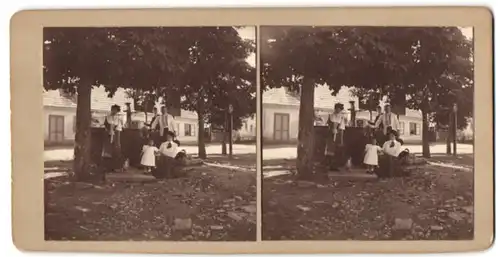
[335,56]
[112,57]
[218,74]
[424,68]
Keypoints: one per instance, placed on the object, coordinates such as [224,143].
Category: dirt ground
[433,203]
[210,204]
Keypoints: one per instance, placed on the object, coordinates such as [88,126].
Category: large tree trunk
[82,161]
[306,125]
[426,153]
[202,153]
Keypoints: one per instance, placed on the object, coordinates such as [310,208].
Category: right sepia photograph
[367,133]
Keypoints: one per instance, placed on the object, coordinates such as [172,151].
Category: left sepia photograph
[150,133]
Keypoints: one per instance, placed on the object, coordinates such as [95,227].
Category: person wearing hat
[113,124]
[170,146]
[165,122]
[392,147]
[389,121]
[170,157]
[338,120]
[377,128]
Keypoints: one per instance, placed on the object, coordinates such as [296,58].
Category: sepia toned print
[134,230]
[150,133]
[367,133]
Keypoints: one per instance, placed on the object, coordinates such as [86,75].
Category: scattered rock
[235,216]
[319,202]
[441,211]
[468,209]
[437,228]
[402,224]
[303,183]
[335,205]
[216,227]
[239,198]
[182,224]
[250,208]
[455,216]
[303,208]
[82,209]
[423,216]
[188,237]
[83,185]
[461,198]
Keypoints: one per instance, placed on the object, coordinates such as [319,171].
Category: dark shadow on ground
[219,203]
[434,203]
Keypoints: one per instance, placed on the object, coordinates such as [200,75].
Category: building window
[251,128]
[246,126]
[56,128]
[178,129]
[188,129]
[401,128]
[74,124]
[414,128]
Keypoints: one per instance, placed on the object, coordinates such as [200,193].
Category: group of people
[162,144]
[160,140]
[384,140]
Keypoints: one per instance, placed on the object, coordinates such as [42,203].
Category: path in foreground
[434,203]
[211,204]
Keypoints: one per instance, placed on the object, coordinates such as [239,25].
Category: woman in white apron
[336,123]
[113,124]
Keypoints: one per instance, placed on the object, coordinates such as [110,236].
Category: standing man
[155,117]
[154,131]
[377,118]
[389,121]
[376,127]
[165,123]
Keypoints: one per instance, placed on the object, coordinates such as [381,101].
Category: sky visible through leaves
[248,33]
